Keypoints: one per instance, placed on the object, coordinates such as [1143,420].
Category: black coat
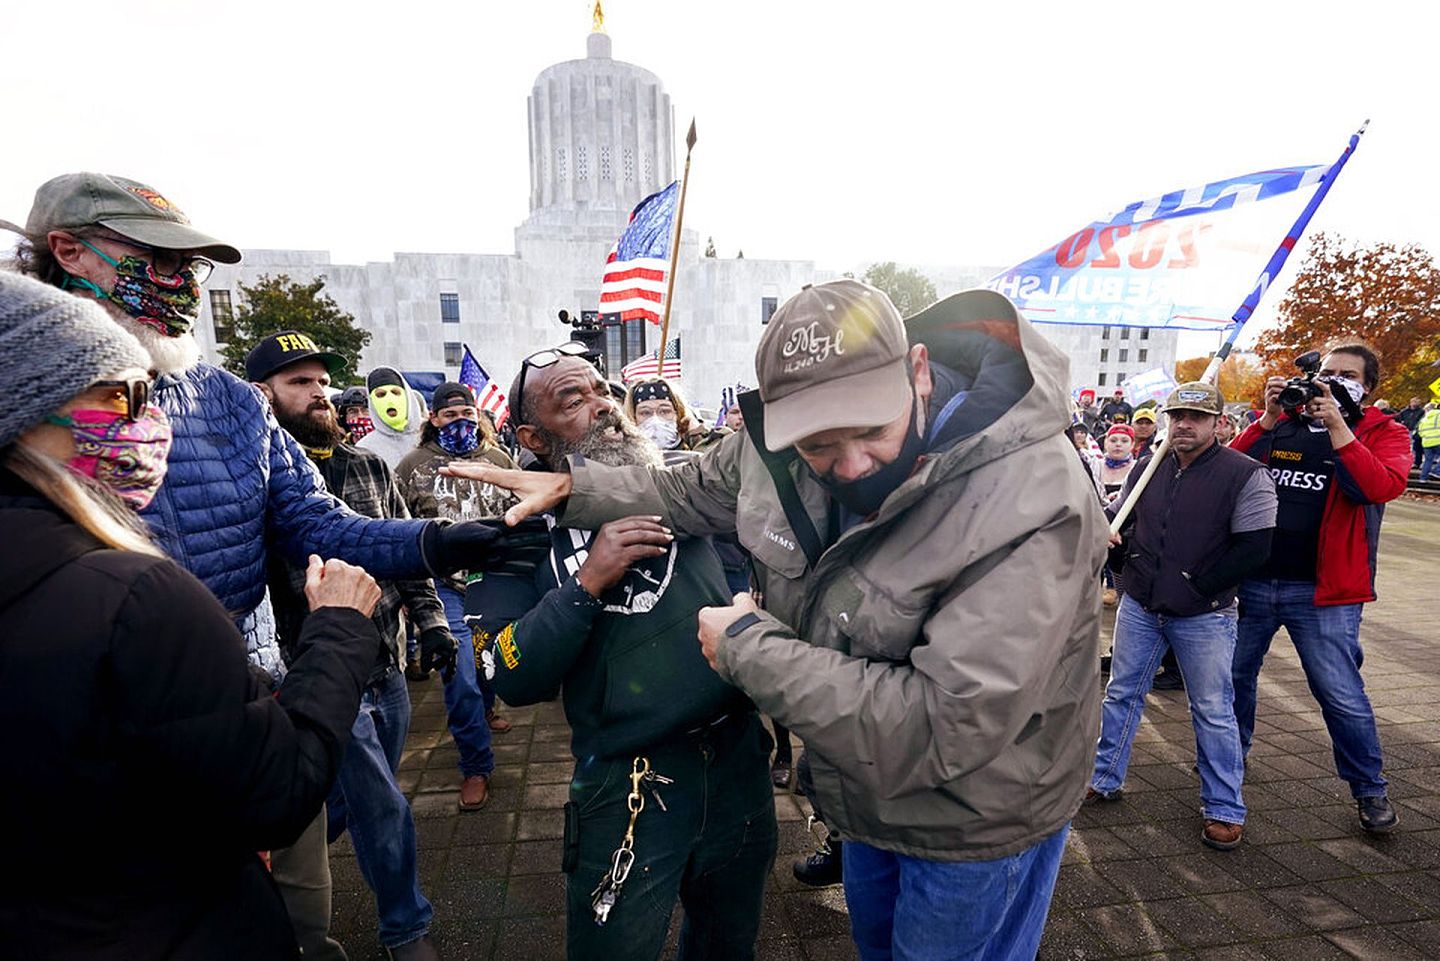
[144,765]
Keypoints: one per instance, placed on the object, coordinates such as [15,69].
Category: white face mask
[663,432]
[1354,388]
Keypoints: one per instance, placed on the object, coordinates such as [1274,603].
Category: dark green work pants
[712,848]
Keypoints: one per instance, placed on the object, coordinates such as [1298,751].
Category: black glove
[437,652]
[479,545]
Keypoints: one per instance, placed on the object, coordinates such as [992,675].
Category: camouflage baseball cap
[834,355]
[128,207]
[1198,396]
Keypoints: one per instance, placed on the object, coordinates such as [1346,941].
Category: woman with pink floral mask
[144,762]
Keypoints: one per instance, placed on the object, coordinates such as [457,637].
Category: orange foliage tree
[1241,379]
[1386,295]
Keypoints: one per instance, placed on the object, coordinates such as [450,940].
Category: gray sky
[841,132]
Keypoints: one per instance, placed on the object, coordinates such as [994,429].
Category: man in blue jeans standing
[1335,465]
[293,374]
[1203,522]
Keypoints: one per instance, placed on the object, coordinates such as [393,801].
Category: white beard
[169,355]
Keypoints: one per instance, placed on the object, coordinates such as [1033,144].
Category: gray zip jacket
[941,661]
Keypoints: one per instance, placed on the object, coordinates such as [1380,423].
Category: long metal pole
[675,251]
[1242,314]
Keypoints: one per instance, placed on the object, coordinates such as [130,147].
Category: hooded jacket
[940,660]
[385,440]
[238,485]
[1370,471]
[144,764]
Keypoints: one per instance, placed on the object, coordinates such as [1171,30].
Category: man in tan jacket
[927,549]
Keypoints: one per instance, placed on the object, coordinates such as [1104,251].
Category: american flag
[646,366]
[634,284]
[488,395]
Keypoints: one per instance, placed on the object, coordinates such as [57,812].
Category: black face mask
[864,496]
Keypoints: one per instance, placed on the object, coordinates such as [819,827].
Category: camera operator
[1334,471]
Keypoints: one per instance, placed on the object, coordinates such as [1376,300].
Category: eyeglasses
[542,358]
[137,394]
[167,263]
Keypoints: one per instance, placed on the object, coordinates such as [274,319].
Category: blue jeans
[910,909]
[1429,461]
[1204,645]
[367,800]
[1328,642]
[468,697]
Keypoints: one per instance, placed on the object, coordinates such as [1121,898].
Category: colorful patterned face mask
[459,437]
[127,456]
[358,427]
[170,304]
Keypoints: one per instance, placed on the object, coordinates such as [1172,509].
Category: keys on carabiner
[607,892]
[654,778]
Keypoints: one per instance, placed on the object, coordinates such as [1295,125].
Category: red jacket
[1369,471]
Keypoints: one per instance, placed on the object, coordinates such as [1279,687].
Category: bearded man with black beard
[608,620]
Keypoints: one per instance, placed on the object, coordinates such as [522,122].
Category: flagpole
[675,248]
[1242,315]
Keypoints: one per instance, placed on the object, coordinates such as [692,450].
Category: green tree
[908,289]
[1385,295]
[273,304]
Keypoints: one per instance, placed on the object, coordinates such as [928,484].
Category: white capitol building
[601,140]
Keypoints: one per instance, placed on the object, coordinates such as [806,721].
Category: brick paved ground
[1136,882]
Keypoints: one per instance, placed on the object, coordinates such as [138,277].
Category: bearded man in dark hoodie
[671,796]
[898,486]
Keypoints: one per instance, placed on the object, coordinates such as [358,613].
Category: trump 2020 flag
[1153,384]
[1182,260]
[634,284]
[488,395]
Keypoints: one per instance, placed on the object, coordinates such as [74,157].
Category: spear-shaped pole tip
[690,137]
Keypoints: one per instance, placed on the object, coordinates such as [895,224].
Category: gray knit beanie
[54,345]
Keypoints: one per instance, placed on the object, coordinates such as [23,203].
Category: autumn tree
[1241,379]
[273,304]
[1385,295]
[908,289]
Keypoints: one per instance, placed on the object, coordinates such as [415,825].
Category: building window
[627,161]
[452,353]
[1124,333]
[645,168]
[1144,333]
[1101,380]
[623,343]
[1105,334]
[582,163]
[767,308]
[1143,353]
[1124,355]
[605,172]
[450,308]
[1104,354]
[222,316]
[1119,379]
[562,167]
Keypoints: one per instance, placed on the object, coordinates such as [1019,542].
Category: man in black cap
[293,374]
[455,430]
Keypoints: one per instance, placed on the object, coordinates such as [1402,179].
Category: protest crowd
[218,590]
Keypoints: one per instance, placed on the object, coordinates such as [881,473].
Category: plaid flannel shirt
[363,481]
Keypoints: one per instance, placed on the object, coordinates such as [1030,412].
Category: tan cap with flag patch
[129,208]
[1198,396]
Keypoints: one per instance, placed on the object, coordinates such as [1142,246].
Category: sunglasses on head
[543,358]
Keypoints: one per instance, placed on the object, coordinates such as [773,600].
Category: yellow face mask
[392,405]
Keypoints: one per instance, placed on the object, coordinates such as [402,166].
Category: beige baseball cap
[128,207]
[1196,395]
[834,355]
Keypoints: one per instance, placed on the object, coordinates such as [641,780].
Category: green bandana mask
[392,406]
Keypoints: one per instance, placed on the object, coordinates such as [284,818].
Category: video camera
[1301,390]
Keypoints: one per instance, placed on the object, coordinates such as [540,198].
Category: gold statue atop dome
[597,19]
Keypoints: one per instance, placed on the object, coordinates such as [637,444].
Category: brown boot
[474,792]
[1222,835]
[498,725]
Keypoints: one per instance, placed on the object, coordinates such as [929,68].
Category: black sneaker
[1093,796]
[822,868]
[1376,814]
[1168,681]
